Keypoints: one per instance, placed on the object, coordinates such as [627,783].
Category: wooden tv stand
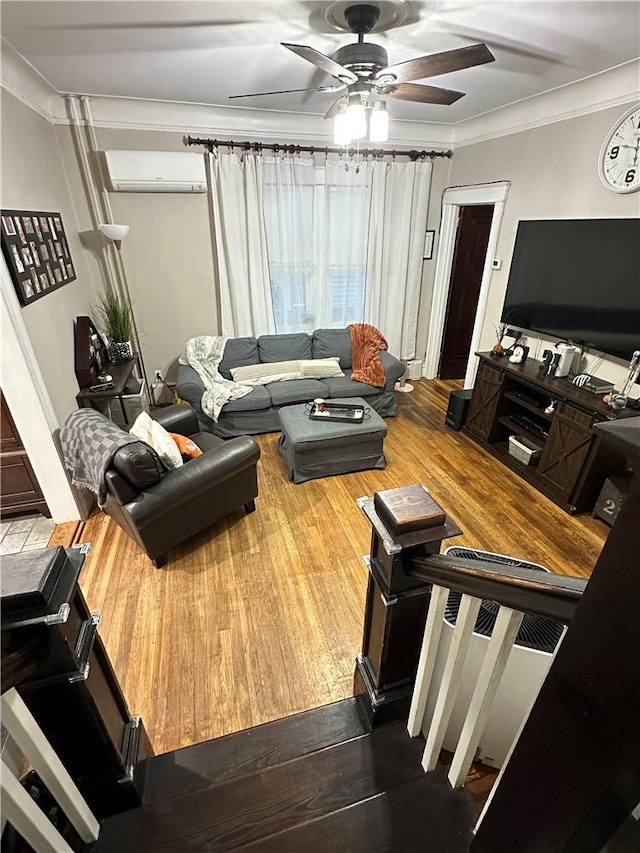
[573,462]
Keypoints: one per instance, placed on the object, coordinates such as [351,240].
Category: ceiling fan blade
[289,91]
[425,94]
[438,63]
[325,62]
[335,107]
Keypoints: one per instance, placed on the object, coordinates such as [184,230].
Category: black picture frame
[27,237]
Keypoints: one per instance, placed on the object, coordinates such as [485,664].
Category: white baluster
[493,666]
[451,675]
[428,653]
[29,737]
[21,811]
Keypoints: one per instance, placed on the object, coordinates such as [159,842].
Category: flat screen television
[578,280]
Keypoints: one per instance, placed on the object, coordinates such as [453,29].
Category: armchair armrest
[179,418]
[393,368]
[195,478]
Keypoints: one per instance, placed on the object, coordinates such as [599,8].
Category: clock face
[619,165]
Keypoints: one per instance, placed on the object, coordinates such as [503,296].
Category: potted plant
[117,320]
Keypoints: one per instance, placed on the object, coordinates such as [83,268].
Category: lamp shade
[379,123]
[114,232]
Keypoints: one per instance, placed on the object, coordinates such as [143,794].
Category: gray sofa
[257,412]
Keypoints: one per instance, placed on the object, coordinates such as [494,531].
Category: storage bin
[524,450]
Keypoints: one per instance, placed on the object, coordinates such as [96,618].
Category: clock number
[630,176]
[614,152]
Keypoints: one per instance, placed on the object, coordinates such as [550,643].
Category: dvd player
[530,424]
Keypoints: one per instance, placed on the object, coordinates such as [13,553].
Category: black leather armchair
[161,511]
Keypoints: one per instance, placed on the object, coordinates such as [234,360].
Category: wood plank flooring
[260,616]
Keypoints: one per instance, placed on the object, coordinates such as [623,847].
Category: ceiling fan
[364,72]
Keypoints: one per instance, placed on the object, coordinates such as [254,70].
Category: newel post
[406,523]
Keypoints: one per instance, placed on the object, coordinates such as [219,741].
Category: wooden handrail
[527,590]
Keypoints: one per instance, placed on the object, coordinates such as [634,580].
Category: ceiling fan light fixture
[341,129]
[356,118]
[379,123]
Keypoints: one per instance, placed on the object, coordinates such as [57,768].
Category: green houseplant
[117,321]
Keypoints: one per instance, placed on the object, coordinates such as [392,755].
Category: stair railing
[18,808]
[517,591]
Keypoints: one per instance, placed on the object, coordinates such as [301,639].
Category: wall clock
[619,164]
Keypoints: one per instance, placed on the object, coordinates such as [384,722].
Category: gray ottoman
[323,448]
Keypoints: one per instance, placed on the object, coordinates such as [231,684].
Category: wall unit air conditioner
[156,172]
[528,664]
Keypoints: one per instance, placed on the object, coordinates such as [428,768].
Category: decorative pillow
[321,368]
[281,371]
[186,446]
[262,374]
[146,429]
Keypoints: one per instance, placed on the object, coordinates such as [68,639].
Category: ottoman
[314,448]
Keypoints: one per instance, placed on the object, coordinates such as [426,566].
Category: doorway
[472,239]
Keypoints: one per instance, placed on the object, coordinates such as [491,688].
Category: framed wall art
[37,253]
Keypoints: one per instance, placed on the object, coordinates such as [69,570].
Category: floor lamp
[117,233]
[403,385]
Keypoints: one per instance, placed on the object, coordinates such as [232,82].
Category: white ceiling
[202,52]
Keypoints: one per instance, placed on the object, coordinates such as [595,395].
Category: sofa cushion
[238,351]
[257,398]
[296,391]
[330,342]
[284,347]
[206,441]
[139,464]
[344,386]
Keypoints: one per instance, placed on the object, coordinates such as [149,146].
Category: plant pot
[120,351]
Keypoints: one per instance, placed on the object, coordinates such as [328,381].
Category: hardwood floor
[260,616]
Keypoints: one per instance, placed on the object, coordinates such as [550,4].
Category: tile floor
[25,533]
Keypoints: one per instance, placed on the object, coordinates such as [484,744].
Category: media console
[510,399]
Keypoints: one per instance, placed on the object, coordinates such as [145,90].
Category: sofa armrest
[393,369]
[190,386]
[179,418]
[195,478]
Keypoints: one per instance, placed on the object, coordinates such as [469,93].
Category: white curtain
[397,227]
[236,187]
[316,225]
[302,245]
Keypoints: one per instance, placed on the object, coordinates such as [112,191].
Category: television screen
[578,280]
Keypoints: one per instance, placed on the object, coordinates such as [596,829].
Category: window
[316,221]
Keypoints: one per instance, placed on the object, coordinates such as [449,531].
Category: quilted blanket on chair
[366,342]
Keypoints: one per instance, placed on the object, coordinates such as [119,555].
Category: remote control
[102,386]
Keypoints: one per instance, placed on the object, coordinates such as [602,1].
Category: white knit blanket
[204,354]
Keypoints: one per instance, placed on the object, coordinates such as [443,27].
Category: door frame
[453,199]
[30,405]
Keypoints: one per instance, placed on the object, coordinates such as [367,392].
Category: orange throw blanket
[366,342]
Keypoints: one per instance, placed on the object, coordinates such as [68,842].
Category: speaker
[458,407]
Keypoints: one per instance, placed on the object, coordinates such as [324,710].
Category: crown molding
[20,79]
[615,87]
[221,121]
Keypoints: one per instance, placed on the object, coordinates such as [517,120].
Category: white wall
[553,175]
[34,178]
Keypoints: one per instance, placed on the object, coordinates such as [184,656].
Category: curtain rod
[312,149]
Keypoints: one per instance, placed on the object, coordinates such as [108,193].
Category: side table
[121,374]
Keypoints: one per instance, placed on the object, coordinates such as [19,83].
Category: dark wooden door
[466,275]
[19,487]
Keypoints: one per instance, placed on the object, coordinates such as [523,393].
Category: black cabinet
[73,694]
[571,463]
